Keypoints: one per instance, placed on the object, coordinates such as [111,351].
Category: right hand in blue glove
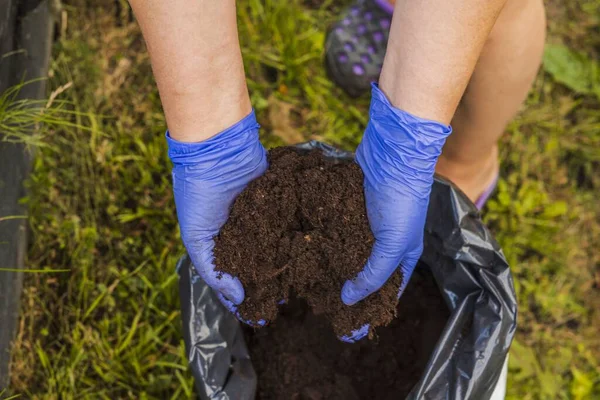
[397,155]
[207,177]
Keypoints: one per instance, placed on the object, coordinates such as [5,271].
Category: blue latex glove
[397,155]
[207,177]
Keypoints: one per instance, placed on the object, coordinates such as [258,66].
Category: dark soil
[298,357]
[302,228]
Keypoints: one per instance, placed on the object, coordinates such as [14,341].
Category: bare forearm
[432,51]
[197,63]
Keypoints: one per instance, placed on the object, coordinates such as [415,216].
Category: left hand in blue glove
[397,155]
[207,177]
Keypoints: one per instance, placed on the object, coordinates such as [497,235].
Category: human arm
[432,52]
[197,63]
[213,134]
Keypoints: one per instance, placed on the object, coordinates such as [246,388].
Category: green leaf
[569,67]
[582,385]
[556,209]
[523,362]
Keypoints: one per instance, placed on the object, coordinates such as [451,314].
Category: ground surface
[102,206]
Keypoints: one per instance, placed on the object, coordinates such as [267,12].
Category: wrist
[420,100]
[398,146]
[195,120]
[404,135]
[227,145]
[399,124]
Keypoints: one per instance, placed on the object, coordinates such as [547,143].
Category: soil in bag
[292,224]
[302,228]
[298,356]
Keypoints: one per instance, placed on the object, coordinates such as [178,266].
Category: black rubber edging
[25,38]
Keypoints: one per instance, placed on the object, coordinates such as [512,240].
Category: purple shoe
[355,45]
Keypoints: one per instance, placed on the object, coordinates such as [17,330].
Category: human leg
[498,87]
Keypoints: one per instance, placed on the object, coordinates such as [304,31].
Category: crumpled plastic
[469,267]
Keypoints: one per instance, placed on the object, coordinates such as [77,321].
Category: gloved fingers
[376,272]
[203,259]
[408,267]
[356,334]
[234,310]
[229,286]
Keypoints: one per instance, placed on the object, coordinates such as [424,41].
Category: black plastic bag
[469,268]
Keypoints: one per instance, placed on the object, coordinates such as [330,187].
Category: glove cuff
[398,123]
[399,147]
[226,144]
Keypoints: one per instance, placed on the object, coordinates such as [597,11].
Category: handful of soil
[302,229]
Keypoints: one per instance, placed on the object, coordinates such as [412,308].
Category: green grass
[30,121]
[101,203]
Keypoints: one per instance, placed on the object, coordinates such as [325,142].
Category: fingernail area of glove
[234,310]
[349,295]
[230,287]
[235,292]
